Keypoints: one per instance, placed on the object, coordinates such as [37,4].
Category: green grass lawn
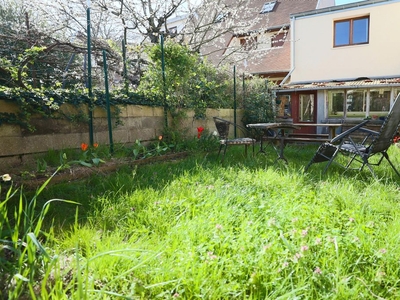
[249,228]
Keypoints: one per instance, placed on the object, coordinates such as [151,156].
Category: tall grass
[24,260]
[250,228]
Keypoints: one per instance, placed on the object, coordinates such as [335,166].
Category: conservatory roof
[350,84]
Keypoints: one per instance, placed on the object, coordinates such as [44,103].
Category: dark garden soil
[33,180]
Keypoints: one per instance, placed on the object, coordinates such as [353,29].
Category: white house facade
[345,63]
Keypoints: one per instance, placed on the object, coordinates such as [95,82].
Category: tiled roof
[273,60]
[280,15]
[358,83]
[284,8]
[276,60]
[264,61]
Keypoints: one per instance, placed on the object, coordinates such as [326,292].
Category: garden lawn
[248,228]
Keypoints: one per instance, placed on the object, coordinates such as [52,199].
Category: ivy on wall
[46,103]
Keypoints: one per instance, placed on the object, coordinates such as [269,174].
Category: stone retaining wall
[138,123]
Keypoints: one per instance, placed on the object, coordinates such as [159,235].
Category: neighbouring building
[176,24]
[345,64]
[256,35]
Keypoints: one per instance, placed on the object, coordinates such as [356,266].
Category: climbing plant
[190,81]
[47,103]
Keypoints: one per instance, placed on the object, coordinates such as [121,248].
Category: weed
[249,228]
[24,260]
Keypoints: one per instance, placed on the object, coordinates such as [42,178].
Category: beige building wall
[315,58]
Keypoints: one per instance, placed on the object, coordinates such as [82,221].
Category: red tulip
[84,146]
[199,131]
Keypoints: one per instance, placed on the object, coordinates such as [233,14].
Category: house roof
[268,61]
[332,8]
[284,8]
[276,60]
[280,15]
[271,61]
[351,84]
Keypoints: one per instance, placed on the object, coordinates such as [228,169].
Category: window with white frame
[379,102]
[248,43]
[173,30]
[278,39]
[359,103]
[267,7]
[284,106]
[336,106]
[356,103]
[306,108]
[351,31]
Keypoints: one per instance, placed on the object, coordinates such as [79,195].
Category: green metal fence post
[108,103]
[125,72]
[164,84]
[89,79]
[234,99]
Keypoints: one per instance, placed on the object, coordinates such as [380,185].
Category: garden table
[281,132]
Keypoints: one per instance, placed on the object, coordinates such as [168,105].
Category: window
[173,30]
[284,107]
[351,32]
[267,7]
[359,103]
[249,43]
[306,108]
[220,17]
[336,104]
[379,102]
[356,103]
[278,39]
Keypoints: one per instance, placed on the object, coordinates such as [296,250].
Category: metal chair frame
[223,126]
[373,143]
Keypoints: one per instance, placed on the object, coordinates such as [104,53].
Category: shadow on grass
[159,175]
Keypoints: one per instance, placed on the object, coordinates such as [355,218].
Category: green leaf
[96,161]
[33,238]
[84,163]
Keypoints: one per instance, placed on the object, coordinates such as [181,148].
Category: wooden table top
[273,125]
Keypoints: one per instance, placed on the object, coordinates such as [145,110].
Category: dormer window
[248,43]
[173,30]
[267,7]
[220,17]
[278,39]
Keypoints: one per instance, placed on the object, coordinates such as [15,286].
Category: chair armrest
[373,132]
[348,132]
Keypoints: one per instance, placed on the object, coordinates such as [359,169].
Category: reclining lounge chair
[374,143]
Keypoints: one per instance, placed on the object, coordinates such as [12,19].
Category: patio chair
[372,143]
[224,140]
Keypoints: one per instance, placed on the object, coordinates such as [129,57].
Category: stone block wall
[138,123]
